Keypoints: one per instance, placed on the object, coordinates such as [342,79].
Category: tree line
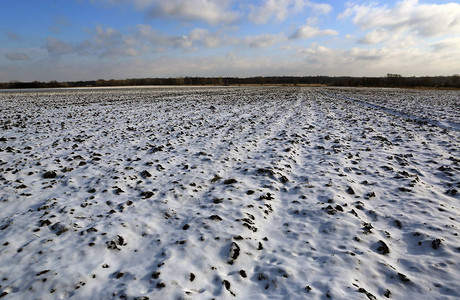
[390,80]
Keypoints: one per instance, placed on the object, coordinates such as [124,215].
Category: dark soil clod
[49,175]
[403,277]
[234,252]
[260,247]
[436,243]
[350,191]
[215,178]
[226,283]
[383,248]
[369,295]
[160,285]
[230,181]
[387,293]
[215,218]
[147,194]
[42,272]
[145,174]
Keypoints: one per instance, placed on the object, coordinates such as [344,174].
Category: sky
[72,40]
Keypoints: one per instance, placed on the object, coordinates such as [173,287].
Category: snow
[229,192]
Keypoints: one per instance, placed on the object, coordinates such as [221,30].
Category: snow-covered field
[236,192]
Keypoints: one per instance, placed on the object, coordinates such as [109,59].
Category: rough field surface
[237,192]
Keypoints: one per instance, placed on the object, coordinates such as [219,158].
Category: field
[230,192]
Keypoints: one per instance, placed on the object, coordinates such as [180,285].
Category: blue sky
[90,39]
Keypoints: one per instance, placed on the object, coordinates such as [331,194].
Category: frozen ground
[239,192]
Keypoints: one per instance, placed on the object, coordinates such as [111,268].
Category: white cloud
[210,11]
[197,37]
[392,39]
[203,37]
[271,8]
[108,42]
[320,8]
[264,40]
[425,20]
[282,9]
[143,39]
[307,32]
[375,37]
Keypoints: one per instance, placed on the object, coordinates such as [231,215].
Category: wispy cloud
[111,43]
[57,47]
[210,11]
[263,41]
[280,10]
[375,37]
[307,31]
[13,36]
[17,56]
[450,44]
[197,37]
[425,20]
[60,22]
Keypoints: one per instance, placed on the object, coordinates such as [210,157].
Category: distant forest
[391,80]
